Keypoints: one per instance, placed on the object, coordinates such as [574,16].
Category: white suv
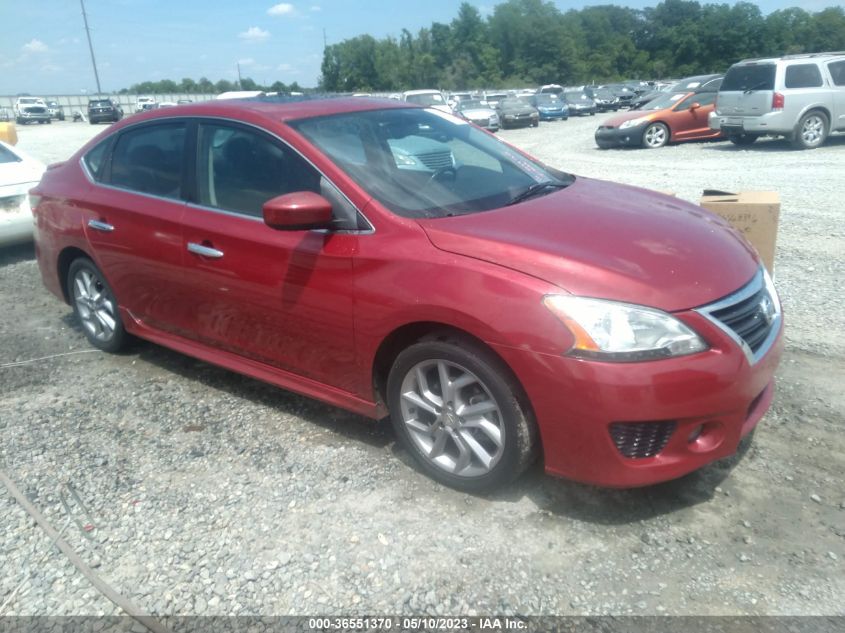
[801,97]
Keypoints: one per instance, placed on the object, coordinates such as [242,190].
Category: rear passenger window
[95,159]
[150,160]
[803,76]
[837,72]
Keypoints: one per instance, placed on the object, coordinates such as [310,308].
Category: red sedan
[399,261]
[671,118]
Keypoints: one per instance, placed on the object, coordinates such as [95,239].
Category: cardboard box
[755,214]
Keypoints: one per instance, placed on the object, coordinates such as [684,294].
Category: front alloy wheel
[656,135]
[95,306]
[454,406]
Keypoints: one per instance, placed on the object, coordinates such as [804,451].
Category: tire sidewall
[648,127]
[517,439]
[119,338]
[798,136]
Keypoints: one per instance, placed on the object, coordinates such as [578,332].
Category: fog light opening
[695,434]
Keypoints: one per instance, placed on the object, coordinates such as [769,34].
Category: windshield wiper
[536,188]
[757,86]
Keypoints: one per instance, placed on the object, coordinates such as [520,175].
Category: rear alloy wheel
[455,411]
[655,135]
[742,139]
[95,306]
[812,131]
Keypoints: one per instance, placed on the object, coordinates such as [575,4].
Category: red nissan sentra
[394,260]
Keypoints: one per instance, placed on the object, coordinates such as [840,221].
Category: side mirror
[298,211]
[695,105]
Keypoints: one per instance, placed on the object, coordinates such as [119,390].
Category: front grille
[605,127]
[35,110]
[481,122]
[750,315]
[436,160]
[638,440]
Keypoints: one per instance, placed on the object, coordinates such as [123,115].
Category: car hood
[517,109]
[618,119]
[478,113]
[611,241]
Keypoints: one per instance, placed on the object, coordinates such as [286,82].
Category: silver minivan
[801,97]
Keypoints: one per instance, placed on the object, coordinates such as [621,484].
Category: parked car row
[799,97]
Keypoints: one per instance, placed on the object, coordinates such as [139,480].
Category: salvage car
[550,106]
[669,119]
[56,111]
[100,110]
[18,174]
[31,110]
[429,98]
[579,103]
[515,112]
[604,98]
[701,83]
[494,307]
[479,113]
[800,97]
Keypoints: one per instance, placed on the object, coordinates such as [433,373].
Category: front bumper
[553,115]
[616,137]
[770,123]
[576,401]
[576,111]
[514,120]
[29,116]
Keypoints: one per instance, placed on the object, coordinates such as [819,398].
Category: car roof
[427,91]
[275,108]
[772,60]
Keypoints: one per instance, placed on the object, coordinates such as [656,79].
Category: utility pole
[239,76]
[90,46]
[324,39]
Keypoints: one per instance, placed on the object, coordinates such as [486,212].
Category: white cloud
[283,8]
[249,61]
[284,67]
[316,7]
[51,68]
[34,46]
[254,34]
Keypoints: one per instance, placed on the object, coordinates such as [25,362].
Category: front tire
[455,407]
[655,135]
[95,306]
[811,131]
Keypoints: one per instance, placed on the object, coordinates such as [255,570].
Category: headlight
[613,331]
[633,122]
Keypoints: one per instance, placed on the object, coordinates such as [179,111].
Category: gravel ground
[212,493]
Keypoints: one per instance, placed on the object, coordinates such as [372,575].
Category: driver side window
[702,98]
[239,170]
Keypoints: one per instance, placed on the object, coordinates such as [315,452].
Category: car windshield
[547,99]
[749,77]
[471,104]
[427,164]
[512,103]
[429,98]
[664,101]
[28,101]
[8,156]
[100,104]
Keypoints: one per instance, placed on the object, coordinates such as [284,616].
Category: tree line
[531,42]
[206,86]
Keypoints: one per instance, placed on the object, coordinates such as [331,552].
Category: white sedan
[18,174]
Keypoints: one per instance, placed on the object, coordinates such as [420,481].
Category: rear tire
[95,306]
[811,131]
[473,435]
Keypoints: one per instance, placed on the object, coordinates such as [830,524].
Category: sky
[43,49]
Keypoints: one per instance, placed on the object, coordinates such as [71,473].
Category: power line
[90,46]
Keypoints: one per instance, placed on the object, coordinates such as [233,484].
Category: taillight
[777,101]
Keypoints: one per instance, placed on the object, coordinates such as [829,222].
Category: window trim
[193,122]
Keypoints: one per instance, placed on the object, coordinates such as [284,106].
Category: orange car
[671,118]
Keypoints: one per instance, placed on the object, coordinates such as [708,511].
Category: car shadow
[775,144]
[16,253]
[551,495]
[346,425]
[608,506]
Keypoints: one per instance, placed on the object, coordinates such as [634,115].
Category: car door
[688,122]
[133,218]
[282,298]
[837,76]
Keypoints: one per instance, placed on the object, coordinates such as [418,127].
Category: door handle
[205,251]
[100,226]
